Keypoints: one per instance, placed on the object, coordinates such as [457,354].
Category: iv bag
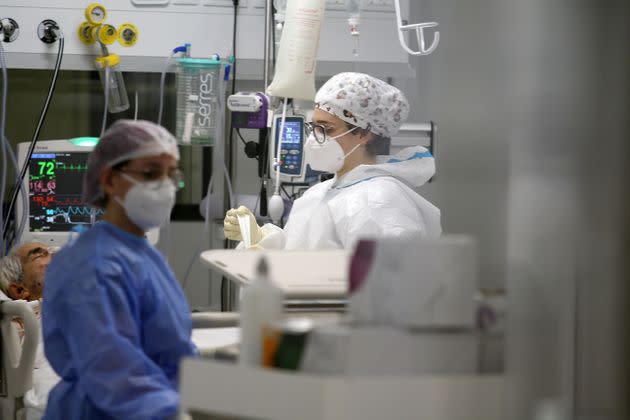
[295,68]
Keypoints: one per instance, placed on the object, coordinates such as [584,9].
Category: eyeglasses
[152,175]
[318,131]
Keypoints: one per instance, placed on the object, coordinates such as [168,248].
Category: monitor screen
[55,188]
[292,149]
[293,130]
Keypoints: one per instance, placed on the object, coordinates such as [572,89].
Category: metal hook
[420,34]
[421,40]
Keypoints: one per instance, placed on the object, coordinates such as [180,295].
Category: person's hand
[232,229]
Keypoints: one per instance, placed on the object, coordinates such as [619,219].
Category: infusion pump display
[292,147]
[55,192]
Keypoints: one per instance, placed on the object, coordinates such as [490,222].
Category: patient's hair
[10,272]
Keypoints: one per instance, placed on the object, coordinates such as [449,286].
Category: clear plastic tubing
[185,49]
[354,13]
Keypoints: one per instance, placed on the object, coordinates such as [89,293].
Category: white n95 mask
[148,204]
[327,156]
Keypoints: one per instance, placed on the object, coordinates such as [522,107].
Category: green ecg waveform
[72,167]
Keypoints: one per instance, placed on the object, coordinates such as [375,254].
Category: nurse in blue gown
[116,323]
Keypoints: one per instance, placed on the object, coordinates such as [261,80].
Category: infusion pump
[292,162]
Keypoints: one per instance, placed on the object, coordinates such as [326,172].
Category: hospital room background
[532,103]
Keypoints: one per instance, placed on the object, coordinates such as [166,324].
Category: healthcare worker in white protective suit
[371,195]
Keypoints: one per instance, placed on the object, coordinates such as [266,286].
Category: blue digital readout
[291,153]
[292,132]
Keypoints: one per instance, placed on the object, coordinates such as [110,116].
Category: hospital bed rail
[18,357]
[214,319]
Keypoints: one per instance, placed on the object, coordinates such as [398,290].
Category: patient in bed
[22,277]
[22,271]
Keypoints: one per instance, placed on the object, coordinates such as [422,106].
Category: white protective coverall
[370,201]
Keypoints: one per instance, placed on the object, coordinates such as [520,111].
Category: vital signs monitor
[54,183]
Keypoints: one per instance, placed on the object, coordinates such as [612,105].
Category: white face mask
[148,204]
[328,156]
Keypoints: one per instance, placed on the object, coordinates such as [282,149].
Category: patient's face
[34,257]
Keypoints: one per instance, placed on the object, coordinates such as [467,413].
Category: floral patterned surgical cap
[364,101]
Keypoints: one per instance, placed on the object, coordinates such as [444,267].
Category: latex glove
[231,227]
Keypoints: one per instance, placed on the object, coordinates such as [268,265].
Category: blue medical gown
[115,326]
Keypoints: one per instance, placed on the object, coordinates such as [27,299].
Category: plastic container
[261,306]
[197,100]
[118,99]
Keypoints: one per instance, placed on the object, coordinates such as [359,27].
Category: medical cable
[206,226]
[228,150]
[228,181]
[220,128]
[240,136]
[235,2]
[273,50]
[354,13]
[3,179]
[277,162]
[135,113]
[40,123]
[7,150]
[181,49]
[162,83]
[23,193]
[276,203]
[264,174]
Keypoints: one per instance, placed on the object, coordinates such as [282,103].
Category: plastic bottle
[261,305]
[118,100]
